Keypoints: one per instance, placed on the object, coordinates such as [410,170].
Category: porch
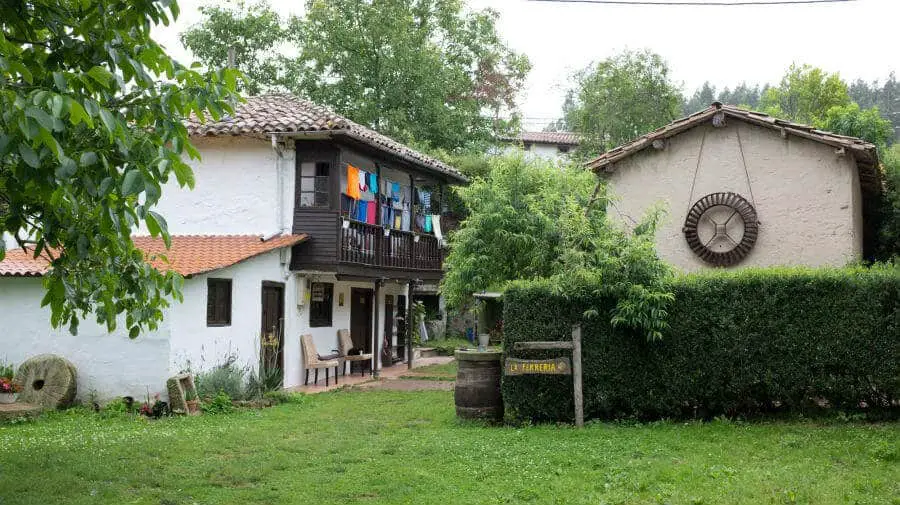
[395,372]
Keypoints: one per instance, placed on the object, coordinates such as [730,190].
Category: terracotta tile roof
[189,255]
[864,152]
[560,138]
[285,113]
[19,263]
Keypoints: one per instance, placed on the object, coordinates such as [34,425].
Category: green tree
[531,219]
[252,32]
[854,121]
[805,94]
[621,98]
[425,71]
[90,129]
[701,99]
[888,245]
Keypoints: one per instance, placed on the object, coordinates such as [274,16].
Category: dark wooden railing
[366,244]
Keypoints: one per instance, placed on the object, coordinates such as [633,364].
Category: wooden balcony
[370,245]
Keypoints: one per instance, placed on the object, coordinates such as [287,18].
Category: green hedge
[741,343]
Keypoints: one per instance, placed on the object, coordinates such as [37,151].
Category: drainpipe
[279,156]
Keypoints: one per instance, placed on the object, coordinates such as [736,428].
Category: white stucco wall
[197,346]
[108,364]
[235,191]
[542,151]
[806,196]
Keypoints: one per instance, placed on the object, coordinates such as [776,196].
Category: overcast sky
[725,45]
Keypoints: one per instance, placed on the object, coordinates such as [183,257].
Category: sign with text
[556,366]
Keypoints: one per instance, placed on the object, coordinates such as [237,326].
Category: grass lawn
[407,447]
[446,371]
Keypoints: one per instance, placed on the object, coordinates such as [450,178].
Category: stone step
[11,411]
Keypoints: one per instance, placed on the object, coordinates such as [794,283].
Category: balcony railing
[367,244]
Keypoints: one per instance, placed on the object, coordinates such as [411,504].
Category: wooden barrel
[477,393]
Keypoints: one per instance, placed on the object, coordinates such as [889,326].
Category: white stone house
[552,146]
[269,246]
[741,188]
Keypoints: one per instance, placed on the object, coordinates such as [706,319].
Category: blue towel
[395,191]
[361,213]
[373,183]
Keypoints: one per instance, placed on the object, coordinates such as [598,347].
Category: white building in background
[554,146]
[301,222]
[742,188]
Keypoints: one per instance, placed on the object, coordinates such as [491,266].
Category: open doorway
[271,356]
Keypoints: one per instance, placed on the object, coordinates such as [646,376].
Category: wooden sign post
[557,366]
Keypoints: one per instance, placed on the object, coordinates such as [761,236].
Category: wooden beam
[576,375]
[542,345]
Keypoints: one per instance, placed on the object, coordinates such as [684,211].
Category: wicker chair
[312,360]
[344,346]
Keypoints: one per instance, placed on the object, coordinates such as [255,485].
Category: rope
[744,162]
[696,169]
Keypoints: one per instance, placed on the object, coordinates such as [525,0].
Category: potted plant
[192,402]
[8,390]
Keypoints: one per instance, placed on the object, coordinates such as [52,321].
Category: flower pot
[484,340]
[193,407]
[8,398]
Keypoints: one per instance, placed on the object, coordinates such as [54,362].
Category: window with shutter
[218,302]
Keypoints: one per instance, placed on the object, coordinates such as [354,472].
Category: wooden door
[361,318]
[272,330]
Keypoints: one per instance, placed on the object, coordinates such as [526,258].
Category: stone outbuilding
[741,188]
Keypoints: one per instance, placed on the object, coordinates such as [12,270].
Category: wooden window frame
[213,287]
[319,186]
[317,310]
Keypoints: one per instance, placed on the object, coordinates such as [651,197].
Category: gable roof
[189,255]
[864,152]
[285,113]
[557,138]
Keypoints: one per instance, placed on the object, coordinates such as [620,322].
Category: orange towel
[352,182]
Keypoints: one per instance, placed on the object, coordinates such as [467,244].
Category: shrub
[227,377]
[738,343]
[285,397]
[219,404]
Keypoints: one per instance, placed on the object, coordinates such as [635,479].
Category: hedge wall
[739,343]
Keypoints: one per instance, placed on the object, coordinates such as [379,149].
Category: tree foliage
[620,98]
[251,31]
[528,220]
[805,94]
[91,112]
[428,71]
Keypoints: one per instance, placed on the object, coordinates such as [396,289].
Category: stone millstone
[47,380]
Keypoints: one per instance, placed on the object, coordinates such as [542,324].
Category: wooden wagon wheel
[712,225]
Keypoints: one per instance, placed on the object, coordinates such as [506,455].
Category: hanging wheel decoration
[721,228]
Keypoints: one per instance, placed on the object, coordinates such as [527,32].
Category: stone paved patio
[390,378]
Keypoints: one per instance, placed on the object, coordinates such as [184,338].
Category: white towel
[436,226]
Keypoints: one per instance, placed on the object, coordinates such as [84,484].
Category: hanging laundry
[436,224]
[424,198]
[373,183]
[395,191]
[352,182]
[420,222]
[363,180]
[370,212]
[348,205]
[361,212]
[427,226]
[404,223]
[398,220]
[387,215]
